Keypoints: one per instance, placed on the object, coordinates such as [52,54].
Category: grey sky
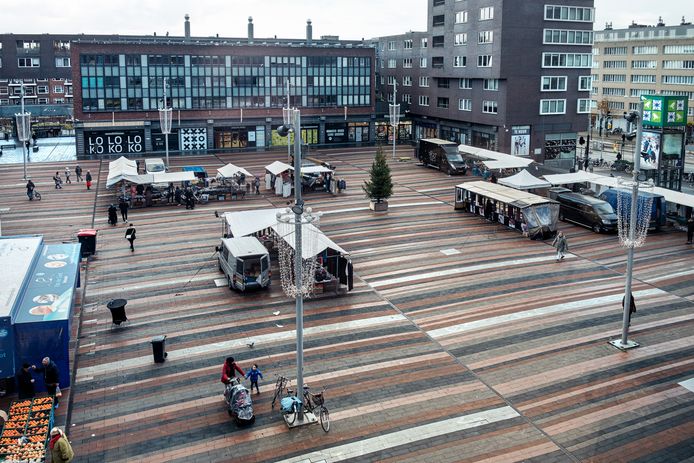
[350,19]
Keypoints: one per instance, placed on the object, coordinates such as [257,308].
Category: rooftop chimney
[186,27]
[309,32]
[250,29]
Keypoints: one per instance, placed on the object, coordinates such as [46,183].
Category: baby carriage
[239,403]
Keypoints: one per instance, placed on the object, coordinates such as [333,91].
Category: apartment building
[500,74]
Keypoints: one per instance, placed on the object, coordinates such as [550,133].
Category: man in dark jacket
[25,383]
[632,306]
[51,377]
[130,236]
[690,229]
[123,205]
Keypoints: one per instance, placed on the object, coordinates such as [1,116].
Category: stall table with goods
[26,432]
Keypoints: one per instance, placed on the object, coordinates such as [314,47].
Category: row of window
[567,37]
[464,104]
[648,79]
[646,64]
[437,62]
[36,62]
[568,13]
[559,83]
[485,14]
[58,45]
[29,91]
[5,101]
[647,50]
[558,106]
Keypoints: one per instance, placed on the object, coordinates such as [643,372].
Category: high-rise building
[506,75]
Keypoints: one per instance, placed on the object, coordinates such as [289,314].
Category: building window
[637,92]
[437,41]
[407,81]
[679,49]
[43,100]
[618,105]
[407,62]
[465,84]
[485,37]
[422,62]
[62,62]
[583,105]
[438,20]
[392,63]
[4,91]
[459,61]
[423,81]
[437,62]
[460,39]
[424,42]
[391,45]
[553,84]
[406,98]
[614,64]
[678,80]
[643,79]
[461,17]
[464,104]
[614,78]
[484,61]
[645,50]
[568,13]
[28,62]
[442,82]
[643,64]
[486,13]
[681,64]
[442,102]
[28,45]
[585,83]
[615,51]
[567,60]
[439,2]
[58,89]
[407,44]
[552,106]
[423,100]
[61,45]
[568,37]
[489,107]
[613,91]
[491,84]
[42,89]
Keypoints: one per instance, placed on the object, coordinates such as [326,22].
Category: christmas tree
[380,184]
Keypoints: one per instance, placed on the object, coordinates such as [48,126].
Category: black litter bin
[117,308]
[87,238]
[159,348]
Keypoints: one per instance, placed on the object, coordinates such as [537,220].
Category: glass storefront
[114,142]
[159,140]
[358,131]
[336,133]
[560,146]
[484,140]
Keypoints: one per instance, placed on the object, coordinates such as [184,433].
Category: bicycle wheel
[291,416]
[324,419]
[37,196]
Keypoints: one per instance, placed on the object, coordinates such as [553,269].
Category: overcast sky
[350,19]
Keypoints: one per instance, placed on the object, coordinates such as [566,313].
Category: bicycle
[35,195]
[280,384]
[312,403]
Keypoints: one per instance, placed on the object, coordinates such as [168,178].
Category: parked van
[154,166]
[442,155]
[245,262]
[658,209]
[588,211]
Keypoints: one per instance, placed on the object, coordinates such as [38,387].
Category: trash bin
[87,238]
[117,308]
[159,348]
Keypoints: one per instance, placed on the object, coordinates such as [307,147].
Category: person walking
[177,196]
[254,374]
[632,307]
[61,450]
[123,206]
[67,175]
[25,383]
[690,228]
[58,181]
[30,190]
[51,378]
[256,185]
[112,215]
[88,178]
[561,245]
[78,173]
[130,236]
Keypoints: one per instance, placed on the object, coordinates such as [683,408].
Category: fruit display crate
[25,434]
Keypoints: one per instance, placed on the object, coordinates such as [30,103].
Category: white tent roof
[278,167]
[575,177]
[315,170]
[313,241]
[245,246]
[120,169]
[511,162]
[230,170]
[159,177]
[524,180]
[481,153]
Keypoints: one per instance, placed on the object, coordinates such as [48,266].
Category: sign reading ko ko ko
[127,141]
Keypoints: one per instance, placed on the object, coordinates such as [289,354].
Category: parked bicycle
[290,404]
[280,385]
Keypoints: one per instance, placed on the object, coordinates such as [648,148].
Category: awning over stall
[159,177]
[278,167]
[121,169]
[574,177]
[230,170]
[512,162]
[524,180]
[315,170]
[504,194]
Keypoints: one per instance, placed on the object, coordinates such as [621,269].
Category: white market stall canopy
[278,167]
[482,154]
[315,170]
[524,180]
[159,177]
[313,241]
[230,170]
[574,177]
[512,162]
[120,169]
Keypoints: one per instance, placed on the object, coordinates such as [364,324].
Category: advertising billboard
[650,150]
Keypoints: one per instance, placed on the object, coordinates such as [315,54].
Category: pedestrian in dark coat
[58,181]
[690,229]
[123,206]
[88,178]
[256,184]
[112,215]
[25,383]
[130,236]
[632,306]
[30,190]
[51,377]
[78,173]
[177,196]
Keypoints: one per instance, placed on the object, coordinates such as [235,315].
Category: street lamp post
[289,145]
[394,113]
[24,130]
[165,121]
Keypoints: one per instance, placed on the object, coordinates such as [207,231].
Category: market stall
[25,434]
[278,177]
[230,171]
[318,177]
[524,180]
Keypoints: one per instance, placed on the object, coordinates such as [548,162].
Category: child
[253,373]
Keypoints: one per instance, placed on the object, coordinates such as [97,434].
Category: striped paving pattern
[490,351]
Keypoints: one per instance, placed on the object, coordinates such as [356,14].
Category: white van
[154,166]
[245,262]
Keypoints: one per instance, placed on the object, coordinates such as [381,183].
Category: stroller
[239,403]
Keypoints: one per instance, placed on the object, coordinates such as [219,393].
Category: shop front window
[560,146]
